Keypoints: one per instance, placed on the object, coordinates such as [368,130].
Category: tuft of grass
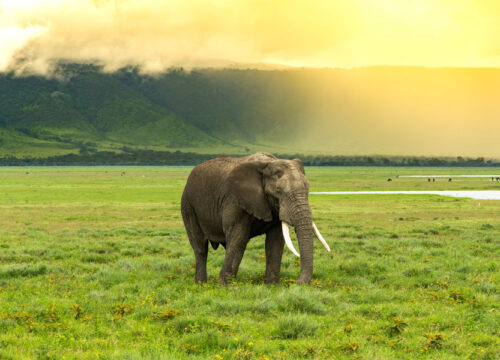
[299,299]
[20,271]
[167,314]
[294,327]
[77,310]
[350,348]
[397,326]
[121,310]
[208,340]
[434,341]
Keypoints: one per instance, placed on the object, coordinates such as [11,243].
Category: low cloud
[13,39]
[157,34]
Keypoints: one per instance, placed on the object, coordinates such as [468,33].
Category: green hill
[90,108]
[17,144]
[374,110]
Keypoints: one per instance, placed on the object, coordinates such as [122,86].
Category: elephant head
[279,188]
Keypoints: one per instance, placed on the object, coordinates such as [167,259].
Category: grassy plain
[95,264]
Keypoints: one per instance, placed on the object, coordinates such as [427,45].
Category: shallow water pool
[473,194]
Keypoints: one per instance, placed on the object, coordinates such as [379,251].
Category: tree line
[151,157]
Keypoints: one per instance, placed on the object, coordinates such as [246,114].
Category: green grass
[97,265]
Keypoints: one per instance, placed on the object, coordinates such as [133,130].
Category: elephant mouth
[288,240]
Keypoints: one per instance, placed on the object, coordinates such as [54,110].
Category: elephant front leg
[274,252]
[236,243]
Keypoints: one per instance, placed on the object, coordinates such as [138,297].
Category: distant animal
[389,179]
[433,180]
[123,173]
[498,178]
[429,180]
[449,180]
[230,200]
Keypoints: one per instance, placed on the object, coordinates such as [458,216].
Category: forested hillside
[377,110]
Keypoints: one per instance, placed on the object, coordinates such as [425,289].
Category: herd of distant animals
[389,179]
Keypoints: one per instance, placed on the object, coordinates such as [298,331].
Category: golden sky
[156,34]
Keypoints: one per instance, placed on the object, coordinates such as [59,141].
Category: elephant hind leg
[198,242]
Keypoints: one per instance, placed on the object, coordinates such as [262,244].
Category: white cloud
[13,39]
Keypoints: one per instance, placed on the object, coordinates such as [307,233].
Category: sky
[157,34]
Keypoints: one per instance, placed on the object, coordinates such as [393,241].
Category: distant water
[473,194]
[449,176]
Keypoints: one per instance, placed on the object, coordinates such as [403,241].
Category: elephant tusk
[288,241]
[320,237]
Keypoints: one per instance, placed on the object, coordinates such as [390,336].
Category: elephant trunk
[304,232]
[300,217]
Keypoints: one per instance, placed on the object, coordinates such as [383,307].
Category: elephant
[229,200]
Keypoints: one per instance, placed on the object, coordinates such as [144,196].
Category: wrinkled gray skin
[230,200]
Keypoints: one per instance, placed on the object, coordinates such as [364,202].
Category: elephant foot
[200,276]
[272,280]
[225,279]
[304,280]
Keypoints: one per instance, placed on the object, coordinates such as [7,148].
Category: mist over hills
[373,110]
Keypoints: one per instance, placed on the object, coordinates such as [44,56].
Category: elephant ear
[245,185]
[301,166]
